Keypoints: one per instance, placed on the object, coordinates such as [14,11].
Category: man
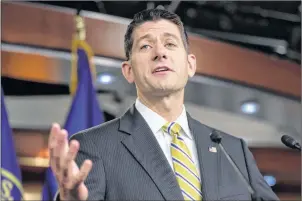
[155,151]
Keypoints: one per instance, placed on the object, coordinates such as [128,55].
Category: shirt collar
[155,121]
[182,120]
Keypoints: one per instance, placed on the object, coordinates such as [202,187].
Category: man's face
[159,63]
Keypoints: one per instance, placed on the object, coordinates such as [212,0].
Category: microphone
[216,137]
[290,142]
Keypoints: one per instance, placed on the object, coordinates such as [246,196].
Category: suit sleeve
[262,189]
[95,181]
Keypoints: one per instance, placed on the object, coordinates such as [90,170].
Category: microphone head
[215,136]
[289,141]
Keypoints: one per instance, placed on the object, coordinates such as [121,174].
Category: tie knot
[172,128]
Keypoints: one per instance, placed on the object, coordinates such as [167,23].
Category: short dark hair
[152,15]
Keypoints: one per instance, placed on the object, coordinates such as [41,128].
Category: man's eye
[170,45]
[145,47]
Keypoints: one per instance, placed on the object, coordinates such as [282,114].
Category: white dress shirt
[155,122]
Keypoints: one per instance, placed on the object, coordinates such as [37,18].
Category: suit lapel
[143,145]
[208,160]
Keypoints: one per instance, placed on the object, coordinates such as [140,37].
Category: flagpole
[85,111]
[79,40]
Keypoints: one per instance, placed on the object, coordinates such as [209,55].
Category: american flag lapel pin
[212,149]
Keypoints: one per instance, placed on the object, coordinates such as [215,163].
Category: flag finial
[80,28]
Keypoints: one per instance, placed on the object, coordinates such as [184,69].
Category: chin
[163,91]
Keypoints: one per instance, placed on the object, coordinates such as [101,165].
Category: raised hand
[69,177]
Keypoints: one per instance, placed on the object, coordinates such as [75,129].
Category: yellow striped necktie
[184,167]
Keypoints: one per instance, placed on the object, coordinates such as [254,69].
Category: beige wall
[32,190]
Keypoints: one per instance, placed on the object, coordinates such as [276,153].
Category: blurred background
[248,80]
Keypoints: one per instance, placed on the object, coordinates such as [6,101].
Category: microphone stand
[215,137]
[250,189]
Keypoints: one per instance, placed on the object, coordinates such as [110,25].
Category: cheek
[142,67]
[139,73]
[180,59]
[183,66]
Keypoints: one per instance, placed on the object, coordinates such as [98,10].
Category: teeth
[161,69]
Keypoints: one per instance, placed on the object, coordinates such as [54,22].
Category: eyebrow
[142,38]
[166,34]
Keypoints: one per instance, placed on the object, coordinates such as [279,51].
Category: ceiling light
[192,13]
[280,49]
[105,78]
[270,180]
[250,107]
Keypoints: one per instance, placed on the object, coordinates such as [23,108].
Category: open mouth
[161,69]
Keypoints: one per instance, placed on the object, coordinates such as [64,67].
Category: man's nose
[160,53]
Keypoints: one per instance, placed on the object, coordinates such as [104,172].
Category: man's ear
[192,65]
[127,71]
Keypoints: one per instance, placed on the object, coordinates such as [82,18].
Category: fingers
[62,161]
[62,146]
[58,150]
[74,186]
[52,140]
[70,157]
[58,147]
[84,171]
[54,130]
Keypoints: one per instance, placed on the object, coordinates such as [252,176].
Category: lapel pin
[213,149]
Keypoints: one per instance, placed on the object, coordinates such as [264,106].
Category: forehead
[158,27]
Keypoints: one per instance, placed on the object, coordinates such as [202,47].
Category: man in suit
[156,150]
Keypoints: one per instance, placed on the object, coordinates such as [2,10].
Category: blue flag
[85,111]
[11,180]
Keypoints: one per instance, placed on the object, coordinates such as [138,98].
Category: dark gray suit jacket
[128,163]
